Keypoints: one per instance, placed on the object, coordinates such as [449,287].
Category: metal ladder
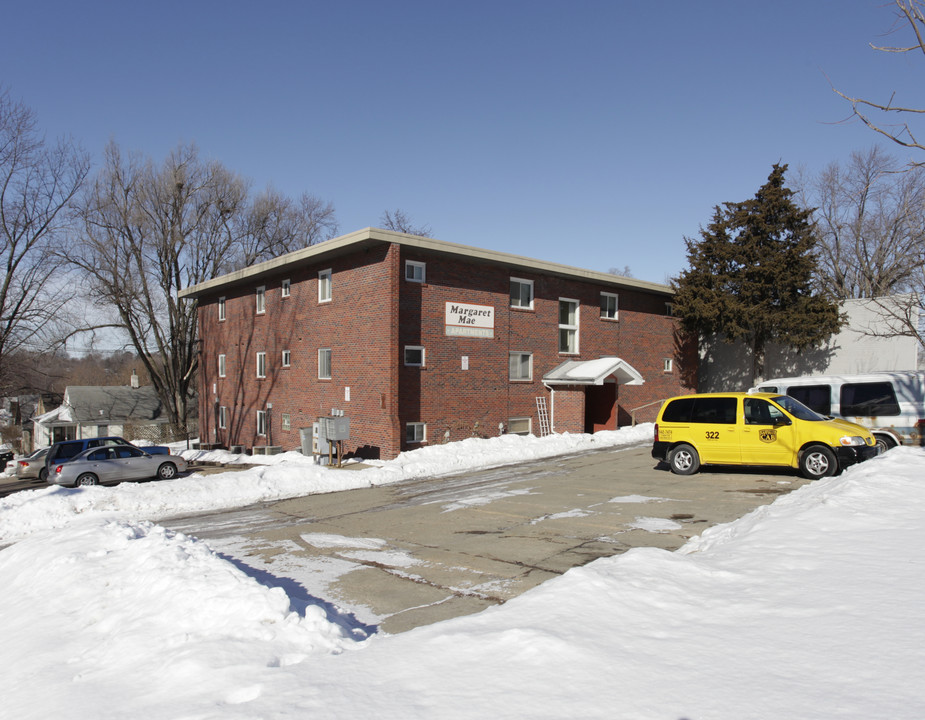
[543,416]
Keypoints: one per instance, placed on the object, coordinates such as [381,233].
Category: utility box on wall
[335,428]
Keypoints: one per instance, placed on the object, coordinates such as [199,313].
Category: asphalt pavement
[422,551]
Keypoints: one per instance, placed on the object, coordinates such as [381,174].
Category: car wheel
[43,474]
[817,461]
[167,471]
[684,460]
[884,443]
[87,479]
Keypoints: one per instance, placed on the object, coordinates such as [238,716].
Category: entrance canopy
[593,372]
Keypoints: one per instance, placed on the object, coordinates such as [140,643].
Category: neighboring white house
[856,349]
[97,411]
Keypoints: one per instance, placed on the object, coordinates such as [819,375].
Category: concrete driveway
[418,552]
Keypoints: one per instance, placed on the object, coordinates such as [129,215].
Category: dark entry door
[601,407]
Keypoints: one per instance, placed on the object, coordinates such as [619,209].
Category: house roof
[86,404]
[363,239]
[593,372]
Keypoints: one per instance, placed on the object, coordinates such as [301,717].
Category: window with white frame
[261,364]
[285,421]
[568,326]
[324,363]
[261,422]
[415,271]
[285,287]
[221,365]
[668,365]
[519,426]
[261,300]
[221,309]
[287,358]
[610,306]
[415,432]
[521,293]
[669,309]
[521,366]
[222,417]
[324,286]
[414,355]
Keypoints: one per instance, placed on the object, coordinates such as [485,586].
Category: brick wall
[374,313]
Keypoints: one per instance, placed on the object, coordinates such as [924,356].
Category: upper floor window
[568,326]
[261,299]
[261,364]
[609,306]
[415,271]
[324,363]
[668,365]
[669,309]
[261,422]
[285,421]
[285,287]
[521,293]
[521,366]
[287,358]
[221,308]
[324,285]
[222,417]
[414,355]
[221,365]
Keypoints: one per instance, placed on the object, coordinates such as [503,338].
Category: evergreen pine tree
[751,276]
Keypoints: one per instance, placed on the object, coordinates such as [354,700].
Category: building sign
[470,320]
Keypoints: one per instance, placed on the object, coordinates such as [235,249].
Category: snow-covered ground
[808,608]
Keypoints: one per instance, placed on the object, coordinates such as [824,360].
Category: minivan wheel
[87,479]
[817,461]
[884,443]
[684,460]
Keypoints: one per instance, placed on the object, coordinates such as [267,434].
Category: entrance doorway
[601,407]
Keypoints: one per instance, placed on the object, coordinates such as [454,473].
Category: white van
[891,404]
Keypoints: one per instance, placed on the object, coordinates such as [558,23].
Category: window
[609,306]
[720,410]
[520,366]
[521,293]
[261,364]
[414,355]
[324,286]
[285,421]
[669,309]
[415,432]
[261,422]
[285,287]
[668,365]
[287,358]
[815,397]
[221,309]
[324,363]
[868,399]
[221,365]
[415,271]
[222,417]
[519,426]
[261,300]
[568,326]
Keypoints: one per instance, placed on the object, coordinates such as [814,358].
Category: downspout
[552,408]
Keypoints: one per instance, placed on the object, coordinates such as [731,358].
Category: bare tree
[149,231]
[870,218]
[37,182]
[399,221]
[274,225]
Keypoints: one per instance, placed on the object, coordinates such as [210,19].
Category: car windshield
[797,409]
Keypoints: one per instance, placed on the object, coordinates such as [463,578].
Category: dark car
[5,456]
[65,450]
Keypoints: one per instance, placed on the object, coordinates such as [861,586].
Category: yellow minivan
[756,429]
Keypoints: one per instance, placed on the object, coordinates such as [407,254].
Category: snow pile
[811,607]
[279,477]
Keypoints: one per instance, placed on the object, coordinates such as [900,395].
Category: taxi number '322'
[712,435]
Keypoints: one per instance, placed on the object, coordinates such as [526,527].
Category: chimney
[134,380]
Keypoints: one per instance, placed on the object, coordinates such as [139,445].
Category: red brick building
[419,341]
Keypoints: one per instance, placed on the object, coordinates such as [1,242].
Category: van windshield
[797,409]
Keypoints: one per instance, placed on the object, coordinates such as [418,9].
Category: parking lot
[418,552]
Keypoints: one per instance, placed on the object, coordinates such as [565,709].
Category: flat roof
[352,242]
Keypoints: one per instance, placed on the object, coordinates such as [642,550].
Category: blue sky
[596,134]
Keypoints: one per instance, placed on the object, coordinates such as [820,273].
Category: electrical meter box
[334,428]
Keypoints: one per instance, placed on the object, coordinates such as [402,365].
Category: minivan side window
[815,397]
[719,410]
[868,399]
[678,410]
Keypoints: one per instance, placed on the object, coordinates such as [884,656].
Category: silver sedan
[33,466]
[113,464]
